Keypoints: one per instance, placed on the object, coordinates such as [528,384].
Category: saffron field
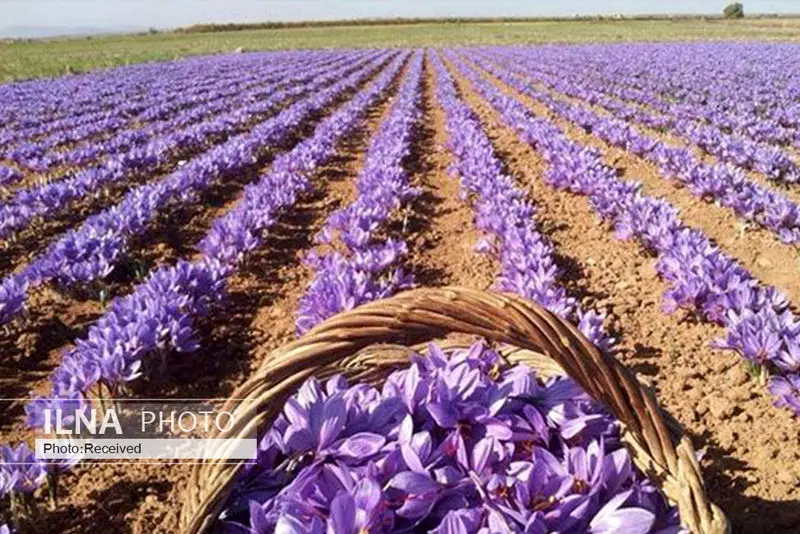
[164,226]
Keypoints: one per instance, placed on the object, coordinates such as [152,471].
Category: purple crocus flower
[22,468]
[416,493]
[788,359]
[315,419]
[362,511]
[613,519]
[786,390]
[465,521]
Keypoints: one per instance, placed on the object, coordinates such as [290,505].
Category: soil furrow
[441,233]
[273,322]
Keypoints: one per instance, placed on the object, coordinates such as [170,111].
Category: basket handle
[658,446]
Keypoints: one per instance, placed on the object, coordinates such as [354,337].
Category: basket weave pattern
[368,343]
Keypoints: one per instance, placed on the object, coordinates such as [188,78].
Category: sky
[34,17]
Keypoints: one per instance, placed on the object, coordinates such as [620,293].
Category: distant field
[29,59]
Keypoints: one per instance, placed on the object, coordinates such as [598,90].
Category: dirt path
[442,235]
[29,178]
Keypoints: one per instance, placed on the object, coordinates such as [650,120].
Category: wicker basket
[368,343]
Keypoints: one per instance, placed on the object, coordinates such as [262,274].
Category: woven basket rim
[367,343]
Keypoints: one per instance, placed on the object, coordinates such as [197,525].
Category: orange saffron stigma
[540,504]
[494,372]
[580,486]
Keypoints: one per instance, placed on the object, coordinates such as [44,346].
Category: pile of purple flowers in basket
[457,443]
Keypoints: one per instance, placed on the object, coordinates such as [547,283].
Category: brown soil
[441,234]
[752,450]
[336,180]
[29,178]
